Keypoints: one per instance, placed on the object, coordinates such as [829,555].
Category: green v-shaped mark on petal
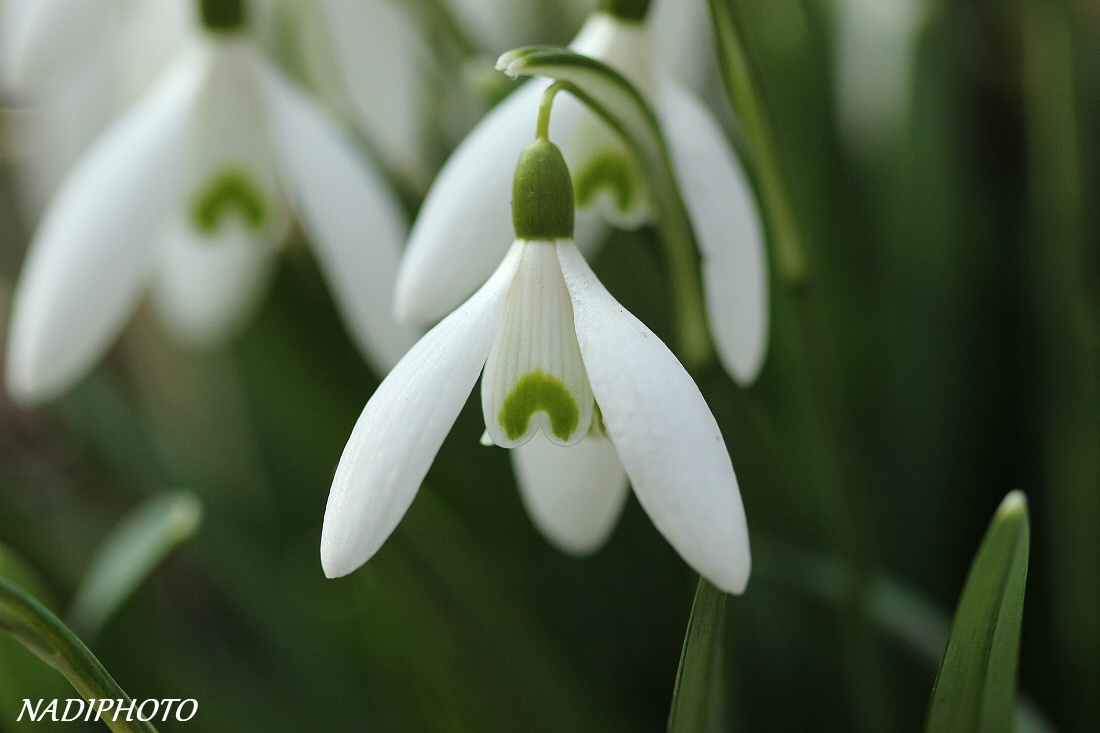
[612,170]
[232,191]
[539,392]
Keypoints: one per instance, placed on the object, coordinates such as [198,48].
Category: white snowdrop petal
[496,25]
[44,41]
[230,176]
[465,223]
[727,227]
[663,430]
[403,425]
[534,377]
[355,223]
[92,254]
[574,495]
[683,39]
[207,287]
[380,61]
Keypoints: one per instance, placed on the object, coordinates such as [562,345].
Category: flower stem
[43,633]
[542,130]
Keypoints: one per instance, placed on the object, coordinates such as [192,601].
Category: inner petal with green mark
[609,171]
[606,175]
[231,193]
[535,378]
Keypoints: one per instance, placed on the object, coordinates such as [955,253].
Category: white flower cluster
[192,177]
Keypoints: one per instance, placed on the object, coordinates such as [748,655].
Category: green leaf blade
[696,698]
[130,552]
[975,688]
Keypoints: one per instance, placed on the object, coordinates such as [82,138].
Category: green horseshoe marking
[535,392]
[231,191]
[612,170]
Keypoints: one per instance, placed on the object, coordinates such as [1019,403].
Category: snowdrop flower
[189,193]
[567,372]
[455,241]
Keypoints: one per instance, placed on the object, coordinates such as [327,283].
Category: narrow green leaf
[129,553]
[697,697]
[43,633]
[975,689]
[608,93]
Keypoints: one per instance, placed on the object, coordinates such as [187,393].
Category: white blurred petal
[663,430]
[153,32]
[876,43]
[354,221]
[465,223]
[207,287]
[574,495]
[534,377]
[381,63]
[43,42]
[621,44]
[683,39]
[230,174]
[496,25]
[404,424]
[93,252]
[727,228]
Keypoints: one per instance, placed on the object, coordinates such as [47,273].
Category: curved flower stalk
[455,239]
[370,59]
[189,193]
[577,385]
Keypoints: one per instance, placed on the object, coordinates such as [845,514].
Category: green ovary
[231,191]
[612,170]
[535,392]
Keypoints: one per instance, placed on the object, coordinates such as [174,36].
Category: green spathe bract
[232,190]
[609,170]
[542,193]
[539,392]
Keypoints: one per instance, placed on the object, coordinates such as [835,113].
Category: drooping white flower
[189,193]
[579,386]
[456,238]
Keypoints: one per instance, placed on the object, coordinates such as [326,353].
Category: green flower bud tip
[542,194]
[223,15]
